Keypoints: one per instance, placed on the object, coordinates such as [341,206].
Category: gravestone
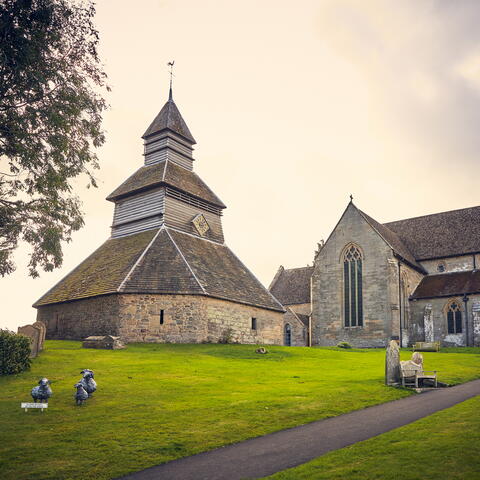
[428,323]
[392,363]
[36,333]
[476,323]
[107,342]
[43,333]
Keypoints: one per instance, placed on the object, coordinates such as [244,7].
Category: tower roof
[170,174]
[170,118]
[162,261]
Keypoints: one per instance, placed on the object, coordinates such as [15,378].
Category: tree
[51,105]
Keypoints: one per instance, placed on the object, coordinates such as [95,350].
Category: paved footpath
[262,456]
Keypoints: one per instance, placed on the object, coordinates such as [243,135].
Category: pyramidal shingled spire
[170,118]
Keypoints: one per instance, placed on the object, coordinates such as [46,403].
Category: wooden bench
[411,377]
[426,346]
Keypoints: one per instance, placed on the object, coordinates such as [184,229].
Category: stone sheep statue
[81,394]
[88,382]
[43,392]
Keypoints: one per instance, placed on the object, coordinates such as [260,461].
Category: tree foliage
[51,105]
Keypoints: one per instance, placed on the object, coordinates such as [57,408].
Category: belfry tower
[165,274]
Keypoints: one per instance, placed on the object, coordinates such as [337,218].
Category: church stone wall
[299,332]
[452,264]
[436,308]
[81,318]
[327,284]
[412,332]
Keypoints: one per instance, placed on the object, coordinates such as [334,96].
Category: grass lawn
[160,402]
[445,445]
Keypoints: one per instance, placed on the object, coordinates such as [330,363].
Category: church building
[412,280]
[165,274]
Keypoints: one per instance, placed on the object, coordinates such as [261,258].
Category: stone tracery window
[352,287]
[454,318]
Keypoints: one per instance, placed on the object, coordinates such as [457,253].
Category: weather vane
[171,64]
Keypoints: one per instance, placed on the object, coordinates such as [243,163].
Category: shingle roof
[170,118]
[448,284]
[173,262]
[292,286]
[221,273]
[456,232]
[394,241]
[170,174]
[102,272]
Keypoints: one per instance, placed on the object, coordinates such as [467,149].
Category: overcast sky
[295,106]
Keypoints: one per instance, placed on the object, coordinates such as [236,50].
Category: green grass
[445,445]
[160,402]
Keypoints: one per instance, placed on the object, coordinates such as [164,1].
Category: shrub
[14,353]
[343,345]
[227,336]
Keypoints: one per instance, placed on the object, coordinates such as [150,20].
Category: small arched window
[352,287]
[454,318]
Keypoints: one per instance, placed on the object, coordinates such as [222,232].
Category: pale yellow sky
[294,106]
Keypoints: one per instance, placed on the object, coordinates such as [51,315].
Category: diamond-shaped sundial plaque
[201,225]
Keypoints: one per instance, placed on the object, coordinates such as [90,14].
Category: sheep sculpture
[81,394]
[43,392]
[88,382]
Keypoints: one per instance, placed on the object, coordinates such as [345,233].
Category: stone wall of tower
[196,318]
[81,318]
[186,319]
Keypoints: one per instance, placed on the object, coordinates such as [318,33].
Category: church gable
[350,292]
[292,286]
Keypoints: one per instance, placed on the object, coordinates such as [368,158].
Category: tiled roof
[174,262]
[102,272]
[221,273]
[440,235]
[170,174]
[448,284]
[162,270]
[292,286]
[170,118]
[394,241]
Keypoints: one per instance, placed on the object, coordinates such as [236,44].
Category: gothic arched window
[352,287]
[454,318]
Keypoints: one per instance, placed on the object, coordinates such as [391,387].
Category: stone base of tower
[185,319]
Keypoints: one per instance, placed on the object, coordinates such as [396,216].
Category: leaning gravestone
[36,333]
[392,363]
[43,333]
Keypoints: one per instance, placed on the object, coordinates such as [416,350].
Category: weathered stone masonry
[186,319]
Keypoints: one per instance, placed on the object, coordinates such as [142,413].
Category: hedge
[14,353]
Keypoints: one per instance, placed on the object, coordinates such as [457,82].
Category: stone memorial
[36,334]
[476,323]
[107,342]
[392,363]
